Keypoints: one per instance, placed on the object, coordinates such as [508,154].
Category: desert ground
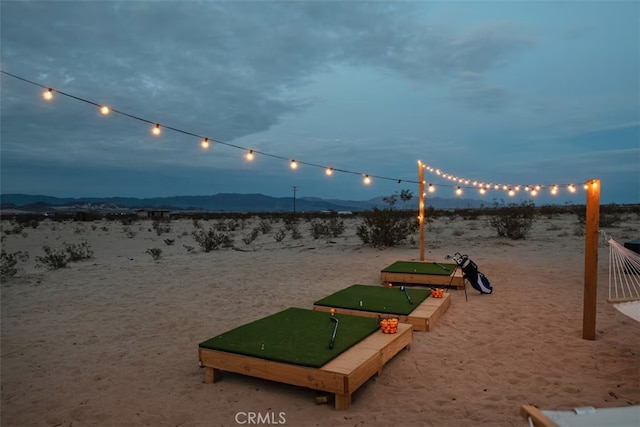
[112,340]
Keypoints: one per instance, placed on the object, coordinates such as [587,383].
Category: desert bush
[161,227]
[169,242]
[280,235]
[290,222]
[128,232]
[386,227]
[156,253]
[9,262]
[210,240]
[16,229]
[264,226]
[332,227]
[295,232]
[513,221]
[78,251]
[53,259]
[249,238]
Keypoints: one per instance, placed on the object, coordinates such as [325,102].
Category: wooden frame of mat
[538,418]
[341,376]
[422,318]
[454,280]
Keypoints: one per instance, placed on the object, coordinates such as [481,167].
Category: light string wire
[483,186]
[212,140]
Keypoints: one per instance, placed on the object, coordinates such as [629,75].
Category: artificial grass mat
[377,299]
[418,267]
[295,335]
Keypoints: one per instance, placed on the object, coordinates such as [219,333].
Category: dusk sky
[507,92]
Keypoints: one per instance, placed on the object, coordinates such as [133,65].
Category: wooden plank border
[341,376]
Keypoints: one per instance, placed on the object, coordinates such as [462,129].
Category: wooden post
[591,260]
[421,214]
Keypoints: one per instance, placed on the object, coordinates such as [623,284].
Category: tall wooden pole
[421,214]
[591,260]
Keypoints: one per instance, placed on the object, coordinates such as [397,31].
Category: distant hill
[222,202]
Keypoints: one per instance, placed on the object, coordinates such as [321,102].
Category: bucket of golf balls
[389,326]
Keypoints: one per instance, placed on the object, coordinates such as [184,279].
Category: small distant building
[154,213]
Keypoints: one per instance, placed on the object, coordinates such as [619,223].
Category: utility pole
[294,188]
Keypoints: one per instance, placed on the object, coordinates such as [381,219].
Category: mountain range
[222,202]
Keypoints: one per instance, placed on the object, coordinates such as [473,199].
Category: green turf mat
[295,335]
[377,299]
[417,267]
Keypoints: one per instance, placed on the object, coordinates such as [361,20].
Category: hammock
[626,416]
[624,279]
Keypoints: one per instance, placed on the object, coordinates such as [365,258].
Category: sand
[112,341]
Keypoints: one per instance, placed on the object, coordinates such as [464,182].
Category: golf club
[441,266]
[335,329]
[406,294]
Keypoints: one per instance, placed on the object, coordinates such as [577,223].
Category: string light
[511,190]
[432,188]
[48,95]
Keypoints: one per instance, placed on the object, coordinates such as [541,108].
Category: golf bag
[478,281]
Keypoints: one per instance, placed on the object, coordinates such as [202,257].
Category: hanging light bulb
[366,180]
[328,171]
[511,192]
[432,188]
[554,190]
[572,188]
[483,190]
[293,164]
[105,110]
[48,94]
[249,155]
[458,191]
[156,130]
[205,143]
[534,192]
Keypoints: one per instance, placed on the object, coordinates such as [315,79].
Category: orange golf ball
[332,311]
